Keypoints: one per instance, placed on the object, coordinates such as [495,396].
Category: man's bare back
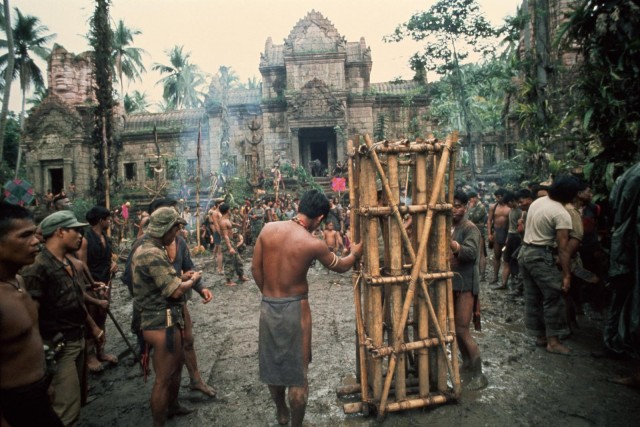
[284,265]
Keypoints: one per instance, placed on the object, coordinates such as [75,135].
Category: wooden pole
[395,257]
[420,198]
[450,309]
[357,291]
[107,187]
[199,156]
[373,294]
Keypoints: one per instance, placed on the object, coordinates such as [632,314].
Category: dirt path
[527,386]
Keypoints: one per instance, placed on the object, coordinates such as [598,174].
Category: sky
[233,32]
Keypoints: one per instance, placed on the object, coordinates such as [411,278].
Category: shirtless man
[23,384]
[497,230]
[332,238]
[214,221]
[280,271]
[232,261]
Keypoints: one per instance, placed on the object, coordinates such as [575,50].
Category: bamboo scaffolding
[386,298]
[398,329]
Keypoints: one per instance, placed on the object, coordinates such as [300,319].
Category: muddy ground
[527,386]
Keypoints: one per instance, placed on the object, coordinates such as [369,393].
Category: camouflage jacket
[154,280]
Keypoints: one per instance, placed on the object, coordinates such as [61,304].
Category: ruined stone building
[316,93]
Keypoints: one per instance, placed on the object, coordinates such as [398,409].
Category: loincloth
[500,235]
[280,341]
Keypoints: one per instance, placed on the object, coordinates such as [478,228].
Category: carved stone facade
[316,93]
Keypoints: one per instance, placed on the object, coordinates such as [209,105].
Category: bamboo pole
[395,258]
[373,294]
[414,345]
[362,357]
[377,281]
[107,186]
[199,156]
[450,309]
[415,272]
[410,209]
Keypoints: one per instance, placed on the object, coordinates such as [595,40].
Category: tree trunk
[8,76]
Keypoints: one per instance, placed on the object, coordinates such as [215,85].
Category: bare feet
[283,415]
[243,279]
[204,388]
[541,341]
[106,357]
[558,349]
[230,284]
[93,364]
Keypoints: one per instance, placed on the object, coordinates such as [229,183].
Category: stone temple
[316,93]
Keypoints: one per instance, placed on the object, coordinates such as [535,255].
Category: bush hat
[60,219]
[162,220]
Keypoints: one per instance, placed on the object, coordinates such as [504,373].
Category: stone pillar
[67,173]
[295,146]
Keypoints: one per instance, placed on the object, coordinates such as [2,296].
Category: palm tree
[181,85]
[135,103]
[126,58]
[29,37]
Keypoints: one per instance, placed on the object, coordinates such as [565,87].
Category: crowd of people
[56,278]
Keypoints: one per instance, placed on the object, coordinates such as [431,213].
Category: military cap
[60,219]
[162,220]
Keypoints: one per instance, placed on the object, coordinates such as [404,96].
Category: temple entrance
[317,149]
[56,180]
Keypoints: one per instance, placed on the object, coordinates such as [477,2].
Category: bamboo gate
[404,286]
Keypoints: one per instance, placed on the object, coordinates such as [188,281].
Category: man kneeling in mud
[280,271]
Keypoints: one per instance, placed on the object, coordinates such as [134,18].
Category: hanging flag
[338,184]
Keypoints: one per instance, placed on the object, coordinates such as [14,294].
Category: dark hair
[461,196]
[508,197]
[59,197]
[8,214]
[500,192]
[524,194]
[166,202]
[313,204]
[96,213]
[224,208]
[471,194]
[564,188]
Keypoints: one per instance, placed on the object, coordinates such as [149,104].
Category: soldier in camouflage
[158,291]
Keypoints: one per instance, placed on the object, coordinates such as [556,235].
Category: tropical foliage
[450,30]
[136,102]
[606,34]
[127,59]
[29,39]
[182,82]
